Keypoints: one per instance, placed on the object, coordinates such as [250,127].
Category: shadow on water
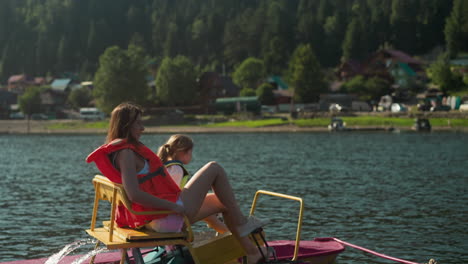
[66,250]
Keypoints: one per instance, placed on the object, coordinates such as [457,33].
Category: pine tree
[456,29]
[305,75]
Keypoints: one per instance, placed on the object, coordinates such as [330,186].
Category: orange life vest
[157,182]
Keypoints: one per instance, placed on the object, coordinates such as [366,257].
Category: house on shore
[7,99]
[213,85]
[64,85]
[18,83]
[395,66]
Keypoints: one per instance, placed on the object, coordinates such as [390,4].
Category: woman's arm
[127,164]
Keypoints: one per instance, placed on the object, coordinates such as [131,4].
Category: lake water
[401,194]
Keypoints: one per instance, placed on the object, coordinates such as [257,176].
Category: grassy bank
[368,121]
[360,121]
[78,125]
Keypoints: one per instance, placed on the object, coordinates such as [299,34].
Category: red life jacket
[157,182]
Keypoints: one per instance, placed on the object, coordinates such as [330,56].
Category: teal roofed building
[231,105]
[278,82]
[395,66]
[63,85]
[403,74]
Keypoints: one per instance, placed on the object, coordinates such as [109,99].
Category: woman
[148,185]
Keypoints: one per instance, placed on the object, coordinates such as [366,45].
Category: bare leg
[199,205]
[211,206]
[210,176]
[253,255]
[214,223]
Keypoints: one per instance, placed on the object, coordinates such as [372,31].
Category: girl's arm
[127,165]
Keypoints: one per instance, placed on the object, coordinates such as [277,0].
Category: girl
[147,185]
[175,153]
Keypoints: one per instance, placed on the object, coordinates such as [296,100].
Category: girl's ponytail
[174,144]
[163,152]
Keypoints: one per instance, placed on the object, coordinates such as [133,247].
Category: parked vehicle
[398,108]
[267,110]
[440,108]
[91,113]
[17,115]
[337,108]
[38,116]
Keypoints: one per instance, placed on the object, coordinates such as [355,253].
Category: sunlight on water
[55,258]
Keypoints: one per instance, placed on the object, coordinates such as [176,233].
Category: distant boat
[337,125]
[422,124]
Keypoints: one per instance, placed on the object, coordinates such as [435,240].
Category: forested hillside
[41,37]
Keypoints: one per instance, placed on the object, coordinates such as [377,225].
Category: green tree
[171,43]
[441,75]
[249,73]
[403,20]
[61,55]
[355,44]
[247,92]
[276,36]
[366,89]
[274,56]
[375,88]
[265,94]
[80,97]
[456,29]
[309,28]
[120,77]
[30,102]
[243,33]
[334,30]
[54,35]
[305,75]
[176,81]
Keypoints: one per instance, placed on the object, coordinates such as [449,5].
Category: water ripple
[404,194]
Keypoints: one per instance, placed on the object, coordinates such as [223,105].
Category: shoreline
[40,127]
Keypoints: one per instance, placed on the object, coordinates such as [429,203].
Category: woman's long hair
[176,143]
[122,118]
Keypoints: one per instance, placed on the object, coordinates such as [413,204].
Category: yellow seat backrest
[115,194]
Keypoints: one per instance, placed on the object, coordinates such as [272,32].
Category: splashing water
[55,258]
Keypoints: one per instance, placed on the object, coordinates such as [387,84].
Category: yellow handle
[299,222]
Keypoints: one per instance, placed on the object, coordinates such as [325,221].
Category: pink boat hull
[314,252]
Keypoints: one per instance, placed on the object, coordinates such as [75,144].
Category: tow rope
[431,261]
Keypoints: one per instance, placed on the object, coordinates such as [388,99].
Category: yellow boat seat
[222,249]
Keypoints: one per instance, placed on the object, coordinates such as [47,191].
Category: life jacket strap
[151,175]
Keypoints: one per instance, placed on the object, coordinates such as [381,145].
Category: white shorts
[168,224]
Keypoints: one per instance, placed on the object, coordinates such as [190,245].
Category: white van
[91,113]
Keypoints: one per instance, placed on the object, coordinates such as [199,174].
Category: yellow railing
[299,221]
